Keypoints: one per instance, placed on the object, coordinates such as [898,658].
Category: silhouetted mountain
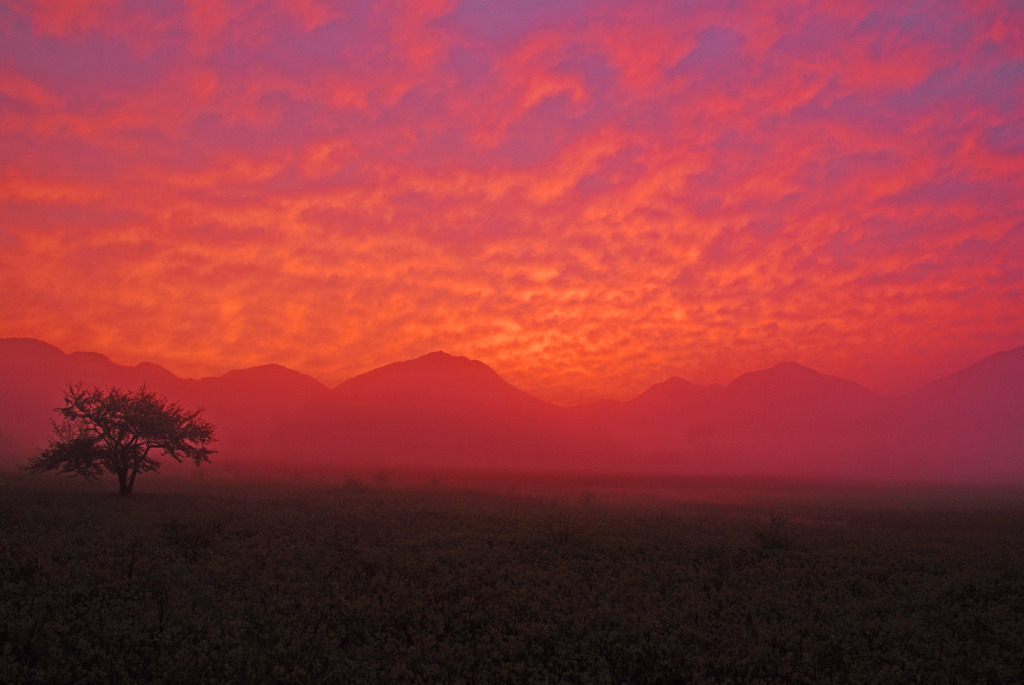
[440,379]
[666,423]
[996,378]
[437,409]
[249,407]
[677,394]
[156,373]
[441,410]
[784,420]
[787,384]
[970,420]
[269,377]
[796,420]
[33,375]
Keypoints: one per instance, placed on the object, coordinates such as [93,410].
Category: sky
[588,196]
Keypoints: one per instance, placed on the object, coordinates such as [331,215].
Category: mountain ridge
[444,409]
[10,344]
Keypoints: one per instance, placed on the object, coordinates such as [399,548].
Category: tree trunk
[122,480]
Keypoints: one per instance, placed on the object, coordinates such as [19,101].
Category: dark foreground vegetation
[220,582]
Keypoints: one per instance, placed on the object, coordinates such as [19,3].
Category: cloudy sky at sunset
[588,196]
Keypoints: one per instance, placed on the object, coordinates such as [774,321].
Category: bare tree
[122,432]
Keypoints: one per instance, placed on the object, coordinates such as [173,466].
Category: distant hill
[442,410]
[790,382]
[971,419]
[251,407]
[437,409]
[436,380]
[787,420]
[998,378]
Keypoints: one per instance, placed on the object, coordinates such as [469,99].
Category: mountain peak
[262,370]
[793,366]
[155,371]
[434,376]
[29,346]
[1006,359]
[675,394]
[668,388]
[674,382]
[91,358]
[270,377]
[1003,370]
[783,372]
[440,357]
[438,365]
[792,380]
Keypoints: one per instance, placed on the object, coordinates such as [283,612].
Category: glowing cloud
[590,197]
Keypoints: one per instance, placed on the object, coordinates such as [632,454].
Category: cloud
[588,196]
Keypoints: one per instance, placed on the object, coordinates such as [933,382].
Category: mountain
[250,407]
[435,380]
[788,384]
[786,420]
[970,420]
[995,383]
[33,375]
[437,409]
[440,410]
[665,423]
[678,394]
[796,420]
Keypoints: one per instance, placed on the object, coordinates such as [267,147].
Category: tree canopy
[123,433]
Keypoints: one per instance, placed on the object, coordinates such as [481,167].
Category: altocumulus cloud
[588,196]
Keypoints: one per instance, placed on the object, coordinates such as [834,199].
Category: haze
[590,197]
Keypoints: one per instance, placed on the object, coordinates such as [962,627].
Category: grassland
[192,581]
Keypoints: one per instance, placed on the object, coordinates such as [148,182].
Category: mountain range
[441,411]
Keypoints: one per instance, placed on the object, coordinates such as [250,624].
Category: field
[516,581]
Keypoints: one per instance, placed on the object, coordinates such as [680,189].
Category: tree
[121,432]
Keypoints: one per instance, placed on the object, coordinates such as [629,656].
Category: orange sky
[588,196]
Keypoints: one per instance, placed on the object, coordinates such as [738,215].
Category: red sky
[588,196]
